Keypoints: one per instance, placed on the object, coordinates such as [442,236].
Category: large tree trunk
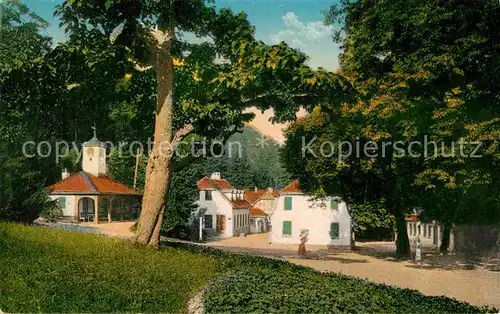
[445,241]
[159,163]
[402,241]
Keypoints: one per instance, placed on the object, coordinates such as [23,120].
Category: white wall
[69,210]
[426,238]
[267,205]
[94,159]
[309,214]
[243,221]
[219,205]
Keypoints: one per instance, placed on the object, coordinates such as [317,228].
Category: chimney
[65,174]
[215,176]
[270,189]
[255,189]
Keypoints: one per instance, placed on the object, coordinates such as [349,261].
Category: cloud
[299,34]
[313,38]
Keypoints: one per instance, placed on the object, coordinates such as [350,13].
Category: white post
[201,228]
[418,249]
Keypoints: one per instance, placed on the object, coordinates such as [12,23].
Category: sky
[297,22]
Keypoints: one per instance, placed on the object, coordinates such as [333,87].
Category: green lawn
[48,270]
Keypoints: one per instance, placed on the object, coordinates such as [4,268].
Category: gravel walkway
[478,286]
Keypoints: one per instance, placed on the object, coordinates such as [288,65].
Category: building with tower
[90,195]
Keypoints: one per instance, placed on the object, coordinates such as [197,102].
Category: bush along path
[259,285]
[304,291]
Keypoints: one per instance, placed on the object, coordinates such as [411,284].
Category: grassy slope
[48,270]
[57,271]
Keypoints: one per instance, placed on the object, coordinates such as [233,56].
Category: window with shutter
[288,203]
[62,202]
[334,230]
[287,228]
[334,204]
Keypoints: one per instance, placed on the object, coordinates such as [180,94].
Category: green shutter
[334,204]
[287,227]
[334,230]
[288,203]
[62,202]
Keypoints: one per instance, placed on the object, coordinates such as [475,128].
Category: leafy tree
[329,152]
[21,183]
[217,92]
[423,68]
[21,40]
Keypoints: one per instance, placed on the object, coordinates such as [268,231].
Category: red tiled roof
[411,217]
[207,183]
[106,185]
[257,212]
[253,196]
[293,187]
[240,204]
[82,182]
[74,183]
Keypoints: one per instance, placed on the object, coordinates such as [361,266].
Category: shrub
[263,290]
[52,211]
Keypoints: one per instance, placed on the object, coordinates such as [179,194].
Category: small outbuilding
[90,195]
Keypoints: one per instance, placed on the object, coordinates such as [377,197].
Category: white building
[327,221]
[227,212]
[263,204]
[431,233]
[90,195]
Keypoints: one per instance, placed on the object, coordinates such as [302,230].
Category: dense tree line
[424,70]
[410,71]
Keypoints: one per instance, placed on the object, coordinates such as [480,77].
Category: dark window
[208,221]
[334,230]
[208,195]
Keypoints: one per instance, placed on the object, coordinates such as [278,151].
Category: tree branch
[181,134]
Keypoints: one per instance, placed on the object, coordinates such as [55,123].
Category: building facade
[90,195]
[325,221]
[226,212]
[430,233]
[263,204]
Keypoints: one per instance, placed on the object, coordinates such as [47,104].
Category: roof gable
[240,204]
[254,196]
[207,183]
[293,187]
[257,212]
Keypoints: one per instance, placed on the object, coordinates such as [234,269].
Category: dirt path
[476,286]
